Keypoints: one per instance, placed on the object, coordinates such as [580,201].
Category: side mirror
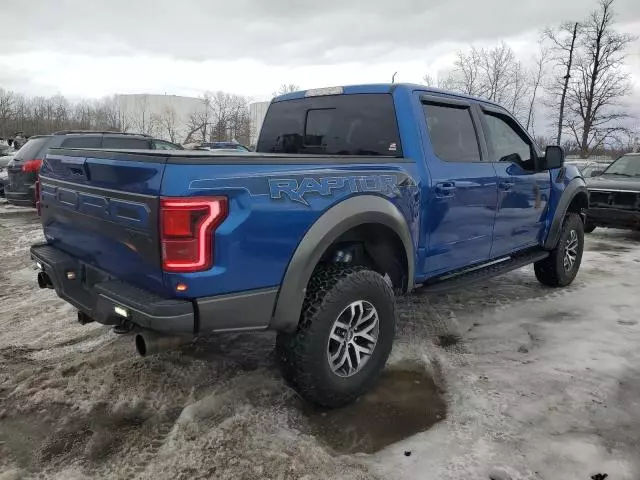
[553,157]
[596,173]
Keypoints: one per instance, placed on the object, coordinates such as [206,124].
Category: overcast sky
[91,48]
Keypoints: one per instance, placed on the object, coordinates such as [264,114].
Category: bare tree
[600,83]
[111,116]
[465,76]
[169,124]
[496,66]
[196,128]
[563,49]
[516,93]
[286,88]
[494,74]
[537,76]
[6,111]
[428,80]
[230,116]
[142,119]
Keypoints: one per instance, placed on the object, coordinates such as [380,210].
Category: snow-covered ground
[507,380]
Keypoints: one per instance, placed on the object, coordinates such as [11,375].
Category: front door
[461,201]
[523,192]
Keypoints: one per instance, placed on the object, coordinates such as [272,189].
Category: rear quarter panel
[271,207]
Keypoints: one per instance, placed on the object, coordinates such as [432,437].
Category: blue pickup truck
[354,195]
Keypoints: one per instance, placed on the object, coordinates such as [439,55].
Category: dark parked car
[224,146]
[23,169]
[614,195]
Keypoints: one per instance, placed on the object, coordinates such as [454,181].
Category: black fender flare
[575,187]
[334,222]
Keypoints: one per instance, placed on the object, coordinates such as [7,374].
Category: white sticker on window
[393,147]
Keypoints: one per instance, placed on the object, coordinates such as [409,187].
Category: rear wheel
[344,338]
[561,267]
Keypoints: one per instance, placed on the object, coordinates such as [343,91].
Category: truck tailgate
[103,209]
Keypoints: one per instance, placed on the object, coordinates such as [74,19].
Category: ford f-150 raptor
[355,194]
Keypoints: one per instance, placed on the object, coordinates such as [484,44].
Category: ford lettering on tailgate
[125,212]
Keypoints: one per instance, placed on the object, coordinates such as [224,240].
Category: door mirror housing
[553,157]
[596,173]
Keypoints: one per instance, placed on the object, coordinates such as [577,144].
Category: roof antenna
[393,77]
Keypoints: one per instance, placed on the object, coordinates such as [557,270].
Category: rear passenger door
[461,201]
[523,190]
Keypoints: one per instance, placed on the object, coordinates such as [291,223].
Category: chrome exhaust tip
[149,343]
[44,281]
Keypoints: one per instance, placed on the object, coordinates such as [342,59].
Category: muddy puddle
[404,402]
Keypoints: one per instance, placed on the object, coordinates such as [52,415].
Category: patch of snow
[540,384]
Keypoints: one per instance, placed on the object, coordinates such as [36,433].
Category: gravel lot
[508,380]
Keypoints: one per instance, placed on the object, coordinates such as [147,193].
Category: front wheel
[560,268]
[344,337]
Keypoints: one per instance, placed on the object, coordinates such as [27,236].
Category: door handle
[445,189]
[506,186]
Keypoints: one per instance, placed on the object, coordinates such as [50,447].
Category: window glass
[452,134]
[127,143]
[81,141]
[318,126]
[627,165]
[359,124]
[503,140]
[160,145]
[32,149]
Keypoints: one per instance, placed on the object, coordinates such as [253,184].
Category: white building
[257,112]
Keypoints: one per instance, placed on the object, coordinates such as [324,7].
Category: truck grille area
[614,199]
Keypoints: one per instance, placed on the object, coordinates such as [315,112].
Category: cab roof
[375,88]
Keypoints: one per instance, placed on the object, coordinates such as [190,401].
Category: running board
[480,273]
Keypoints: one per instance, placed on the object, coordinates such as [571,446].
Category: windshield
[626,166]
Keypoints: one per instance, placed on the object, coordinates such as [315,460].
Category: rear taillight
[32,165]
[186,232]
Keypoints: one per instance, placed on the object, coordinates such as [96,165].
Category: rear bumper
[233,312]
[23,198]
[614,218]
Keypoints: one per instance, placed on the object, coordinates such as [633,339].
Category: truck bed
[211,158]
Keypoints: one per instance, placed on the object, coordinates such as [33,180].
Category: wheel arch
[335,222]
[575,198]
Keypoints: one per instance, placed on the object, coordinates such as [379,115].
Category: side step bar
[480,273]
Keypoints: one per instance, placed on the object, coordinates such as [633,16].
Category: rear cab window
[354,124]
[452,132]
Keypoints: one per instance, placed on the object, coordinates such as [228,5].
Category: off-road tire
[303,355]
[551,271]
